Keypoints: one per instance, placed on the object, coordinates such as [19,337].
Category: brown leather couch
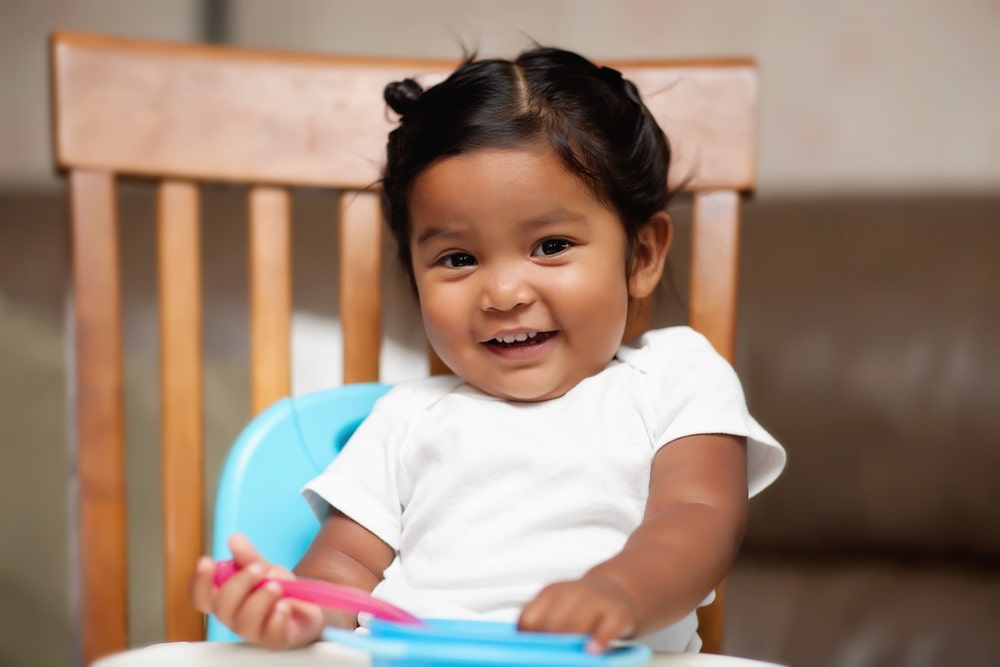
[870,346]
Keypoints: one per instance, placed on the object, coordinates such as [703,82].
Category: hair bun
[402,96]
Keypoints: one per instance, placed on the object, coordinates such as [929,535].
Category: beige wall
[856,95]
[25,155]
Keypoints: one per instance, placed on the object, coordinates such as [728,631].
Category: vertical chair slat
[434,364]
[361,285]
[181,397]
[714,263]
[714,255]
[98,413]
[712,621]
[270,295]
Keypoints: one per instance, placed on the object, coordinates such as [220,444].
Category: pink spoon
[328,595]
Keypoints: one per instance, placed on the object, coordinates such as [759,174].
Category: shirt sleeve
[361,480]
[694,390]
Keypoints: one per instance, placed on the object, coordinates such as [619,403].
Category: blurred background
[869,338]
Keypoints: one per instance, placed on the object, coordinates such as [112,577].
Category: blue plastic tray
[458,643]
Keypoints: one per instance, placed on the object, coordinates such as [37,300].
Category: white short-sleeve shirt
[485,501]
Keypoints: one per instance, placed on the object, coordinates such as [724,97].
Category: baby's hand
[592,605]
[256,613]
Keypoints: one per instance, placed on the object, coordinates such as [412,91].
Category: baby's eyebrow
[550,218]
[559,215]
[437,232]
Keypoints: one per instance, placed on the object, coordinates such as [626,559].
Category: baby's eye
[457,260]
[551,247]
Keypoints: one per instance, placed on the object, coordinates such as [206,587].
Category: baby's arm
[342,552]
[687,541]
[345,552]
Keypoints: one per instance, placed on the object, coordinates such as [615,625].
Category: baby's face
[520,272]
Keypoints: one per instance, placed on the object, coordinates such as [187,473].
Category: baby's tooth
[516,338]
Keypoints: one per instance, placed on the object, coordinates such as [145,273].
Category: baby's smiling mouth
[519,339]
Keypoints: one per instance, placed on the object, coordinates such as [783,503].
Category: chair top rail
[220,113]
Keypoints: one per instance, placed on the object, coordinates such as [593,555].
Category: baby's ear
[649,255]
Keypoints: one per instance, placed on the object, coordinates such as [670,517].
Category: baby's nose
[507,288]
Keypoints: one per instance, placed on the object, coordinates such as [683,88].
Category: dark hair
[592,117]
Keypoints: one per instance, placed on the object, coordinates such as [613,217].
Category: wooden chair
[181,114]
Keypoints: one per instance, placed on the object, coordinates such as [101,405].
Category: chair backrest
[181,114]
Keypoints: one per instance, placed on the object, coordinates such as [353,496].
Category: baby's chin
[528,385]
[527,397]
[522,392]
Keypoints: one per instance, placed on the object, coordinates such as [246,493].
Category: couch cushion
[863,612]
[869,344]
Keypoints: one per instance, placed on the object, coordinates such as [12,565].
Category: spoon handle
[333,596]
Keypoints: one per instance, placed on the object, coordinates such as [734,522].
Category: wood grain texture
[714,264]
[223,113]
[434,364]
[712,622]
[708,110]
[270,296]
[182,449]
[361,285]
[98,415]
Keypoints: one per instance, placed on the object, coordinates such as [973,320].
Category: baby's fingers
[588,607]
[251,618]
[278,631]
[243,550]
[202,585]
[612,624]
[292,624]
[235,592]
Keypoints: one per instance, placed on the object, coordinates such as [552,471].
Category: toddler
[559,478]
